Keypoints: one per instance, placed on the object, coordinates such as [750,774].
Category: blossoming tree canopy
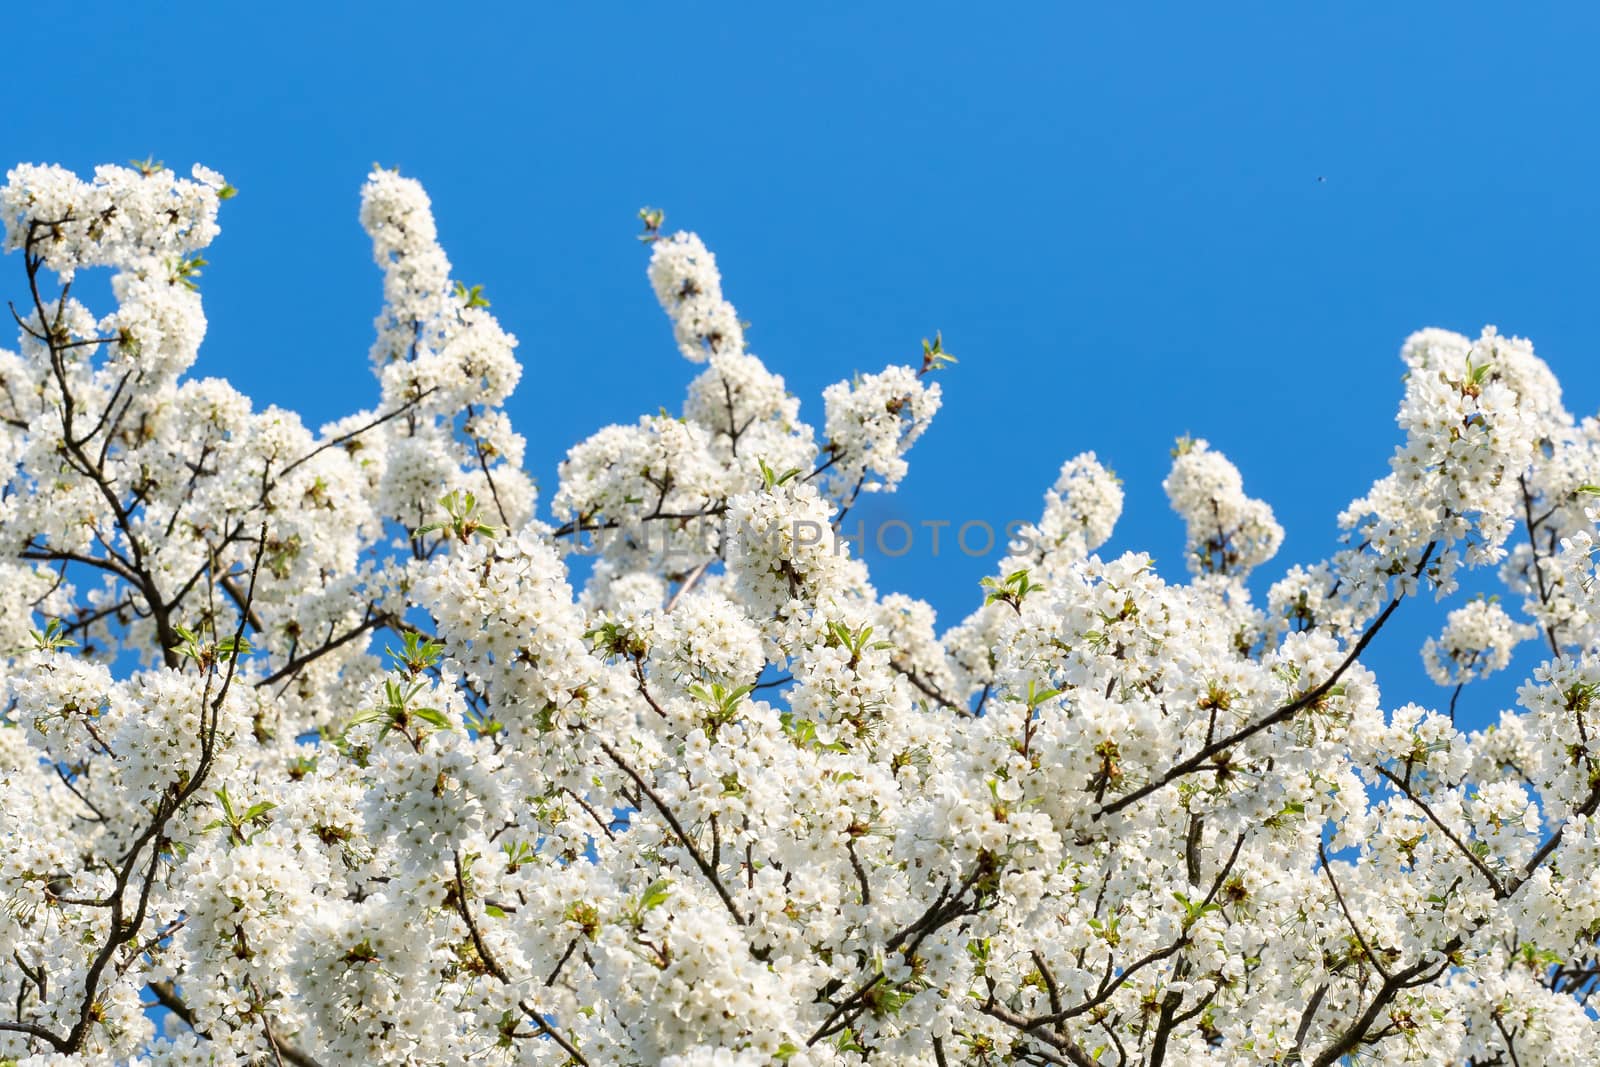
[310,738]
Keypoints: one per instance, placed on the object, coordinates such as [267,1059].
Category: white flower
[327,741]
[1477,641]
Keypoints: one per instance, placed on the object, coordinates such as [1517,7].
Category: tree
[310,740]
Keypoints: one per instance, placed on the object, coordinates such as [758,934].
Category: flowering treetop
[310,738]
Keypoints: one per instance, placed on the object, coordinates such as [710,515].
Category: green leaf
[934,357]
[464,521]
[50,639]
[1039,696]
[369,715]
[256,811]
[417,653]
[771,479]
[473,297]
[230,647]
[434,717]
[652,218]
[655,895]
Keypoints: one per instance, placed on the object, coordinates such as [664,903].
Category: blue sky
[1118,218]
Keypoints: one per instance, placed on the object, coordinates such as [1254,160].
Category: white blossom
[337,746]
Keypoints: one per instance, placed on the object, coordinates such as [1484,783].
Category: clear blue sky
[1115,217]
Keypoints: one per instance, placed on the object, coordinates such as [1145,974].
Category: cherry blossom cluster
[1478,640]
[1228,532]
[328,746]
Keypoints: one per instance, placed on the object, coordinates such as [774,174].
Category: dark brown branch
[464,909]
[677,828]
[1283,714]
[1366,949]
[1500,892]
[299,663]
[927,689]
[351,436]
